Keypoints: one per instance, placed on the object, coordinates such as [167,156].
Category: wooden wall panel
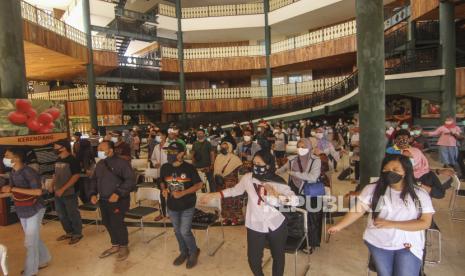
[223,105]
[42,37]
[421,8]
[334,47]
[460,82]
[104,107]
[104,58]
[224,64]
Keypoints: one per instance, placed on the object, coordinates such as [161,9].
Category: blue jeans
[448,155]
[37,253]
[182,224]
[400,262]
[68,213]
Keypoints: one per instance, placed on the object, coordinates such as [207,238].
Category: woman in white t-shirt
[400,211]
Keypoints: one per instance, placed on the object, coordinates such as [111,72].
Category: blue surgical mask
[8,162]
[101,154]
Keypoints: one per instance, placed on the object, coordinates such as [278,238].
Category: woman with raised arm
[400,212]
[264,222]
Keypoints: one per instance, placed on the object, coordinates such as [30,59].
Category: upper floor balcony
[326,42]
[78,94]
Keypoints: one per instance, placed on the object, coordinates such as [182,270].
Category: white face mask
[101,154]
[404,126]
[259,129]
[313,133]
[247,138]
[158,138]
[8,162]
[114,139]
[319,135]
[302,151]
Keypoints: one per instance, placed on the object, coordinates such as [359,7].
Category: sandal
[109,252]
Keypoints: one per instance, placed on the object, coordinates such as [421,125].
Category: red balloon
[33,125]
[31,113]
[23,105]
[44,130]
[45,118]
[55,112]
[17,118]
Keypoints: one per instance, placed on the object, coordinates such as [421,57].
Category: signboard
[26,122]
[433,110]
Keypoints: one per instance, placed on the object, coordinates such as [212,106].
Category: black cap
[78,134]
[176,146]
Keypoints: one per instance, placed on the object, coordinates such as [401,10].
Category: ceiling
[50,4]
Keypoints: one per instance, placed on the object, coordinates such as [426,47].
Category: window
[278,81]
[295,78]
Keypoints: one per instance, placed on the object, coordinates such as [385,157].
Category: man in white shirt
[158,158]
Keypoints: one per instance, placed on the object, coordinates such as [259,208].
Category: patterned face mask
[402,142]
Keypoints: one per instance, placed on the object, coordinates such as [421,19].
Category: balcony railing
[43,19]
[301,88]
[315,37]
[77,94]
[140,62]
[223,10]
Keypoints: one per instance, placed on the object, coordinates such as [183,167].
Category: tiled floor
[344,255]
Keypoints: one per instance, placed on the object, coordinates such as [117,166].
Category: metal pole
[269,77]
[447,41]
[370,63]
[90,65]
[12,69]
[182,88]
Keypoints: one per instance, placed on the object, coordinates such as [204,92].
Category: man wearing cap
[173,136]
[82,150]
[113,180]
[122,149]
[180,182]
[67,173]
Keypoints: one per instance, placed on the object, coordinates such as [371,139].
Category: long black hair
[409,183]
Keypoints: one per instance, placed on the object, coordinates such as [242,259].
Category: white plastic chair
[139,164]
[4,259]
[214,205]
[140,212]
[151,174]
[457,193]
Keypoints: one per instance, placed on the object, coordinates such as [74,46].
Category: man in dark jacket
[113,180]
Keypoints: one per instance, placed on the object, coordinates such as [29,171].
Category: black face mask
[259,171]
[171,158]
[391,178]
[56,151]
[223,151]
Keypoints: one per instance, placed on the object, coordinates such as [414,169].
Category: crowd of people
[249,167]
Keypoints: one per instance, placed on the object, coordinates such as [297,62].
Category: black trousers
[256,244]
[113,220]
[315,222]
[357,169]
[461,161]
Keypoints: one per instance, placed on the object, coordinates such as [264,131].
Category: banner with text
[32,122]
